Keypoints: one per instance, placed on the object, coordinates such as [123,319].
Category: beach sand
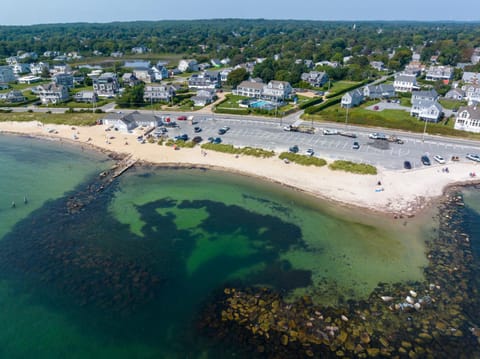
[401,193]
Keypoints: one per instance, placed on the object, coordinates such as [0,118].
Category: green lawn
[232,101]
[340,86]
[394,119]
[451,104]
[80,119]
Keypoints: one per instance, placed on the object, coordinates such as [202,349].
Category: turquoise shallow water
[127,276]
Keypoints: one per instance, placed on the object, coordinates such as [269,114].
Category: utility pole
[424,131]
[346,118]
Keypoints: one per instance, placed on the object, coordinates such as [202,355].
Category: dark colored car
[293,149]
[197,129]
[221,131]
[197,139]
[426,160]
[407,165]
[356,145]
[182,118]
[183,137]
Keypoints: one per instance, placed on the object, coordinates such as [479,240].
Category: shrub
[248,151]
[302,159]
[352,167]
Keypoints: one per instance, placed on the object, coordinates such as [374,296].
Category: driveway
[388,106]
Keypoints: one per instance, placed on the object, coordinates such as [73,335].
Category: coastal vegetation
[348,166]
[302,159]
[247,151]
[68,118]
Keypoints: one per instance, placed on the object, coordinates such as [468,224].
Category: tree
[237,76]
[132,97]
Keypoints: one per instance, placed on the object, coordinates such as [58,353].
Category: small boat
[25,200]
[13,204]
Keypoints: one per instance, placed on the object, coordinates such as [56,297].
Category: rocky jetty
[437,318]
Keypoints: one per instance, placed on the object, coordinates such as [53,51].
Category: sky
[65,11]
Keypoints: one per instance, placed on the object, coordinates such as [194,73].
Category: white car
[439,159]
[309,152]
[473,157]
[330,132]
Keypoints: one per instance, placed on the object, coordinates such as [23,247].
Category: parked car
[310,152]
[377,136]
[376,108]
[425,160]
[183,137]
[330,132]
[197,139]
[223,130]
[293,149]
[407,165]
[197,129]
[473,157]
[182,118]
[439,159]
[215,140]
[356,145]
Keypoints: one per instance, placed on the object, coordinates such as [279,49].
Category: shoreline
[403,193]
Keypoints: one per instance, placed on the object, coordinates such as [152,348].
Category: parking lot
[269,134]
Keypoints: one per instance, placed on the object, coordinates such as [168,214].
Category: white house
[106,85]
[12,96]
[352,99]
[439,73]
[379,91]
[471,77]
[249,89]
[455,94]
[472,93]
[188,65]
[38,68]
[20,68]
[315,78]
[203,97]
[468,119]
[144,74]
[156,93]
[125,122]
[405,83]
[277,90]
[64,80]
[52,94]
[207,80]
[475,56]
[425,106]
[86,97]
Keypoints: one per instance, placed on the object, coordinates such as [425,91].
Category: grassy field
[232,101]
[79,119]
[340,86]
[394,119]
[451,104]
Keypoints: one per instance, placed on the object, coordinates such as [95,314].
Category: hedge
[328,103]
[231,111]
[248,151]
[302,159]
[358,168]
[310,103]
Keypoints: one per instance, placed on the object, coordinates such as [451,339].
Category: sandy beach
[401,193]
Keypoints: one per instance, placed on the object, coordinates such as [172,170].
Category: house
[315,78]
[468,119]
[139,50]
[60,69]
[405,83]
[203,66]
[333,64]
[225,61]
[29,79]
[144,74]
[216,62]
[430,95]
[160,72]
[13,96]
[64,80]
[52,94]
[116,54]
[39,68]
[439,73]
[455,94]
[309,64]
[471,77]
[156,93]
[106,85]
[6,74]
[224,74]
[472,93]
[414,68]
[379,91]
[277,91]
[20,68]
[475,59]
[352,99]
[129,79]
[203,97]
[249,89]
[430,111]
[378,65]
[126,122]
[206,80]
[86,97]
[188,65]
[425,106]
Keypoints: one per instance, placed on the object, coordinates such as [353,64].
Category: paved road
[268,133]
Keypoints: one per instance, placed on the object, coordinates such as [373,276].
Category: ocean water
[127,275]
